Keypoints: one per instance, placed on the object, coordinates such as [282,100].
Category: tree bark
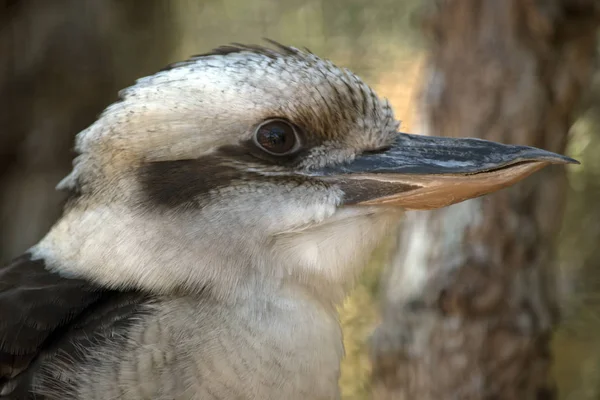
[61,63]
[470,304]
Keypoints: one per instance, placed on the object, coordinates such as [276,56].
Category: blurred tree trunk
[61,63]
[470,302]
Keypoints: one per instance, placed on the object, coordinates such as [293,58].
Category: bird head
[253,167]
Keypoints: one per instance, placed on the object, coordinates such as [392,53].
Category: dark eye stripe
[185,182]
[192,183]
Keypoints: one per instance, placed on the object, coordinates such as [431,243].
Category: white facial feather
[248,236]
[247,266]
[186,111]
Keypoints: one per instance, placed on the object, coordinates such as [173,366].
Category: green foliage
[577,343]
[364,36]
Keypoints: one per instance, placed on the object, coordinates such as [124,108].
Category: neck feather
[118,248]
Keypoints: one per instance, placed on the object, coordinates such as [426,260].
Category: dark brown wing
[42,312]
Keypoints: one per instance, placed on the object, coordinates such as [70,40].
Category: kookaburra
[218,213]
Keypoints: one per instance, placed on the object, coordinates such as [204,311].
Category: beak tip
[548,156]
[565,160]
[570,160]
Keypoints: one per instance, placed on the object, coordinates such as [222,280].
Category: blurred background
[63,61]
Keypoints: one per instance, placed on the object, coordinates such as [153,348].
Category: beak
[424,172]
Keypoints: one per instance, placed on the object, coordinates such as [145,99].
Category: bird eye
[276,137]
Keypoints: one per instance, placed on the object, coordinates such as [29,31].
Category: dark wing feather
[33,303]
[42,312]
